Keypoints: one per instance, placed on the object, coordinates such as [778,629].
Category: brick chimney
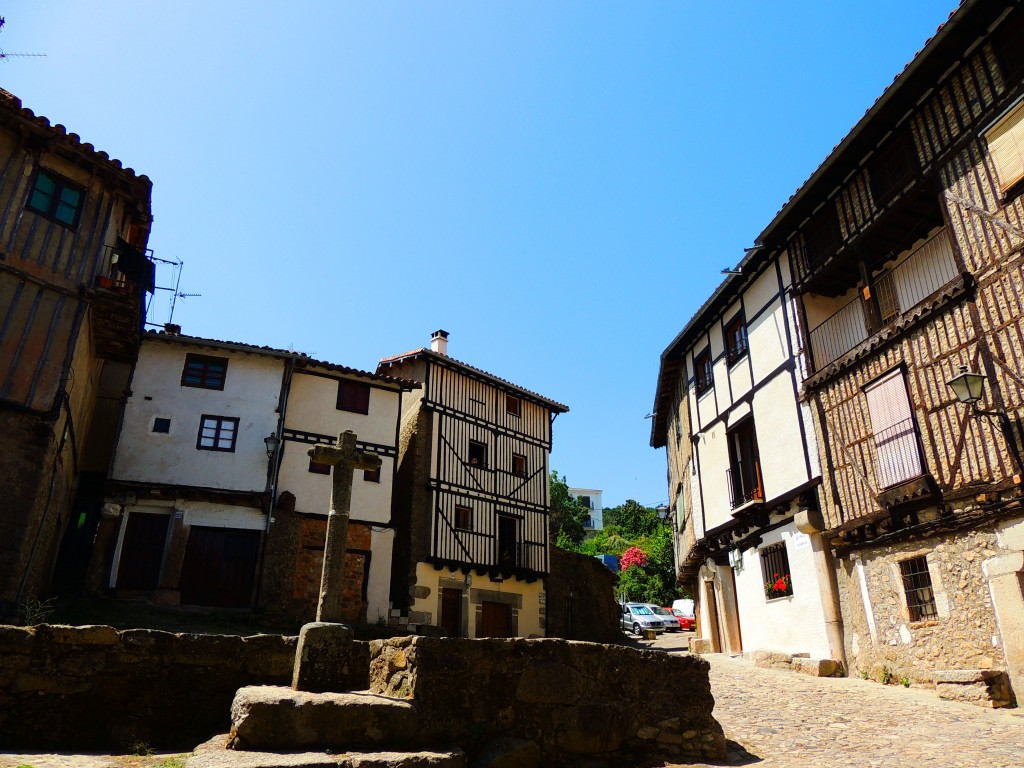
[439,342]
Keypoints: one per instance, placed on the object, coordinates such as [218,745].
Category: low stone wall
[580,602]
[566,698]
[95,687]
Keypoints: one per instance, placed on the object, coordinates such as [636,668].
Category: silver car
[638,618]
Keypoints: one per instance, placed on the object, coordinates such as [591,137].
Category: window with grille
[353,396]
[204,371]
[735,339]
[917,586]
[217,433]
[897,451]
[56,198]
[778,581]
[703,372]
[888,301]
[464,518]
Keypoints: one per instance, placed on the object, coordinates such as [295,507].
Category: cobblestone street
[779,719]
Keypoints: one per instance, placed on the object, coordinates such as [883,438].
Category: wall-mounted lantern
[969,387]
[273,442]
[736,559]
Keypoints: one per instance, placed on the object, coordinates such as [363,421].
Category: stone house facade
[906,255]
[471,501]
[74,274]
[212,432]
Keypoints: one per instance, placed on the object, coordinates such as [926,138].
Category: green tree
[635,520]
[568,514]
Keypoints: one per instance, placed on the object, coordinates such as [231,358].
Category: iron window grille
[217,433]
[775,572]
[56,198]
[204,371]
[917,586]
[353,396]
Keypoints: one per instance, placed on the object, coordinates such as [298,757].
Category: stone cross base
[328,661]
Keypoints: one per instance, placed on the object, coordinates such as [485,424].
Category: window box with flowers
[775,572]
[779,586]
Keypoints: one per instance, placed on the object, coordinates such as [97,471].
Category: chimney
[439,342]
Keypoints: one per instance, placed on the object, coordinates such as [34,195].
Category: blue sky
[557,184]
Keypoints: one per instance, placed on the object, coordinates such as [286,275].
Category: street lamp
[969,387]
[272,442]
[662,511]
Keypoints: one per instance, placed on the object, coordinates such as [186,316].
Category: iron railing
[744,481]
[898,454]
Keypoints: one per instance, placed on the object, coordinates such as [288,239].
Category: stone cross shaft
[345,458]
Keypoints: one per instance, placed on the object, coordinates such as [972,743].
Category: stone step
[214,754]
[279,719]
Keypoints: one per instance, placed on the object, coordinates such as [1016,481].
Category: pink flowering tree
[632,556]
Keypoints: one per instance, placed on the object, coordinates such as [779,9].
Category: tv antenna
[5,55]
[176,266]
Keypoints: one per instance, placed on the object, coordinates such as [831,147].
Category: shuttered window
[1006,146]
[892,423]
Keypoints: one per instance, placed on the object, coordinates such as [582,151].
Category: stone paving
[779,719]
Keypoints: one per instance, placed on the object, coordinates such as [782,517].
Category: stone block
[815,667]
[699,645]
[771,659]
[92,634]
[328,659]
[984,687]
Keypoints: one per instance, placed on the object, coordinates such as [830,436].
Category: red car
[685,622]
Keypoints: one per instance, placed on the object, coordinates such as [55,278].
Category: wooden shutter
[1006,145]
[892,422]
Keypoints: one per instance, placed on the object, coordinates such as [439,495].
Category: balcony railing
[895,291]
[744,481]
[898,454]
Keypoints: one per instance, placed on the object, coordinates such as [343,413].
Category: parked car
[685,622]
[637,617]
[667,617]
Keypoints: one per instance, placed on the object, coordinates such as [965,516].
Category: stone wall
[99,688]
[964,635]
[568,699]
[580,599]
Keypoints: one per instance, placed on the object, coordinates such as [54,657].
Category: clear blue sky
[557,184]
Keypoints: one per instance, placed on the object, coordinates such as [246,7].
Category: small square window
[512,405]
[477,454]
[371,475]
[353,396]
[917,586]
[518,465]
[217,433]
[703,372]
[317,468]
[161,425]
[735,340]
[775,571]
[56,198]
[464,518]
[204,372]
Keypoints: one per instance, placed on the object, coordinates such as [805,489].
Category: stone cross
[345,458]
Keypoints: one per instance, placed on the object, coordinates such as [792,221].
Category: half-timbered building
[212,432]
[743,470]
[906,253]
[472,547]
[73,279]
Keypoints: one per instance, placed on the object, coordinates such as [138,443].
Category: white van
[683,608]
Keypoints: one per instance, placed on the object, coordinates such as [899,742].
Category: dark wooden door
[451,612]
[508,542]
[497,620]
[219,567]
[142,551]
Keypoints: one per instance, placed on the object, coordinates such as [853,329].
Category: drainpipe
[811,522]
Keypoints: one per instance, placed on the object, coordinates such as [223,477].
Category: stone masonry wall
[569,699]
[963,636]
[585,588]
[95,687]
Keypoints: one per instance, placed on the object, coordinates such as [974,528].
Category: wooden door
[142,551]
[496,620]
[451,612]
[219,567]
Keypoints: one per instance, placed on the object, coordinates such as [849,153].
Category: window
[703,374]
[217,433]
[464,518]
[744,473]
[585,501]
[917,585]
[735,339]
[1006,146]
[897,453]
[204,372]
[518,465]
[56,198]
[371,475]
[161,425]
[353,396]
[512,405]
[775,571]
[477,454]
[318,468]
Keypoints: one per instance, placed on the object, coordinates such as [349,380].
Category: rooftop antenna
[4,55]
[177,266]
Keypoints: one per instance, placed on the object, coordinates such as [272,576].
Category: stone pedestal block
[984,687]
[329,660]
[815,667]
[699,645]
